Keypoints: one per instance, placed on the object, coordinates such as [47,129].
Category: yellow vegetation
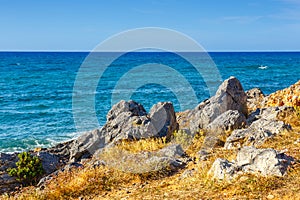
[111,182]
[289,96]
[106,182]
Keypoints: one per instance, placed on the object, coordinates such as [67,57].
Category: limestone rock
[131,107]
[163,119]
[127,125]
[127,121]
[265,161]
[86,144]
[229,96]
[256,134]
[229,120]
[270,113]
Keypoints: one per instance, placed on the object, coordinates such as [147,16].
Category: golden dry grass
[289,96]
[106,182]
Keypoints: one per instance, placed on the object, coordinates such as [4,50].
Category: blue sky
[215,24]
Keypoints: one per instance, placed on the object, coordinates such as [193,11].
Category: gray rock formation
[264,161]
[126,121]
[270,113]
[86,144]
[259,131]
[229,96]
[227,121]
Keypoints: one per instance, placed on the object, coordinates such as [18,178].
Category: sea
[43,93]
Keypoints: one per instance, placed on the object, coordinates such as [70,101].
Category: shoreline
[272,95]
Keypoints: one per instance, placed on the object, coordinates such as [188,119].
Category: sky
[218,25]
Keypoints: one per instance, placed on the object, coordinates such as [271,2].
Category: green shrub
[28,169]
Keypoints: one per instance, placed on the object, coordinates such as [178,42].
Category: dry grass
[106,182]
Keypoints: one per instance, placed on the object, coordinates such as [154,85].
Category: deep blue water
[36,88]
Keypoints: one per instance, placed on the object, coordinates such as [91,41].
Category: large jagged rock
[255,99]
[224,111]
[127,121]
[227,121]
[136,124]
[87,144]
[264,161]
[229,96]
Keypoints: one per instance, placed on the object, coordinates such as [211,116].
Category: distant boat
[263,67]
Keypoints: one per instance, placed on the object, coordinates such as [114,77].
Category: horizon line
[88,51]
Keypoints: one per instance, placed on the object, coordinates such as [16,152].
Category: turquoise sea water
[36,88]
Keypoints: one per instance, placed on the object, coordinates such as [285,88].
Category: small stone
[223,169]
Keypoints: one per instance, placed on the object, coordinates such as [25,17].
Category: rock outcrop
[229,96]
[266,162]
[127,121]
[264,125]
[228,121]
[50,162]
[256,134]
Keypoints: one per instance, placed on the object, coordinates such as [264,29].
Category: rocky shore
[251,118]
